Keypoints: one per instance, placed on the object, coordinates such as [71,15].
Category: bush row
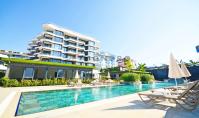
[6,82]
[133,77]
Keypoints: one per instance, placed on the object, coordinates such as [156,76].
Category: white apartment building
[106,60]
[57,44]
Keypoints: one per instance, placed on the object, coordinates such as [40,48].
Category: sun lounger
[189,99]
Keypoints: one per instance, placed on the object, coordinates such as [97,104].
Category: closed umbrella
[174,69]
[108,75]
[109,78]
[77,77]
[185,71]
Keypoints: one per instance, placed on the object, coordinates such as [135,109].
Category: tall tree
[128,63]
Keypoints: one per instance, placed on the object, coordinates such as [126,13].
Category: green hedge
[14,60]
[2,74]
[147,78]
[130,77]
[133,77]
[6,82]
[87,81]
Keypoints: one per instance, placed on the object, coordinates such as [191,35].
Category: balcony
[81,54]
[70,46]
[80,60]
[81,47]
[91,61]
[70,59]
[32,44]
[70,52]
[46,55]
[71,40]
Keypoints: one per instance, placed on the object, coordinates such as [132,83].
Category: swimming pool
[33,102]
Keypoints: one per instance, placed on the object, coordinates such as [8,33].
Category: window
[47,45]
[69,62]
[55,60]
[57,46]
[56,53]
[91,43]
[46,52]
[90,48]
[46,74]
[58,39]
[64,55]
[28,73]
[60,73]
[60,33]
[91,54]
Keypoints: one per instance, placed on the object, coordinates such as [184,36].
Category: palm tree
[193,63]
[141,67]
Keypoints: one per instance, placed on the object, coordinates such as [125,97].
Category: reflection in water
[138,87]
[152,85]
[77,93]
[95,91]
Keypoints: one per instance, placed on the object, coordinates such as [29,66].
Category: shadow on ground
[181,113]
[171,112]
[136,104]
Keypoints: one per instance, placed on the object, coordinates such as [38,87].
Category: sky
[146,30]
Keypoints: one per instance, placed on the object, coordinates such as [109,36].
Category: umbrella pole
[176,82]
[186,81]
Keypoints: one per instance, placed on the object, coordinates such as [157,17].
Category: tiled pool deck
[127,106]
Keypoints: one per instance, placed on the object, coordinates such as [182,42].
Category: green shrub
[87,81]
[46,82]
[130,77]
[74,80]
[13,83]
[26,83]
[4,81]
[61,81]
[147,78]
[36,83]
[54,81]
[2,74]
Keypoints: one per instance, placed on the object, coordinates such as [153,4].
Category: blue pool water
[33,102]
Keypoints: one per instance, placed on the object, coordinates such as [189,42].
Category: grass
[23,61]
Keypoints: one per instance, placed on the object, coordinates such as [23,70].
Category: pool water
[33,102]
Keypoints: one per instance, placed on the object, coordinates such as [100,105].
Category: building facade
[14,54]
[57,44]
[197,48]
[106,60]
[30,71]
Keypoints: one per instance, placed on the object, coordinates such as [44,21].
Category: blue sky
[146,30]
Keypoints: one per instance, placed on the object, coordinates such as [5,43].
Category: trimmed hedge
[87,81]
[24,61]
[130,77]
[133,77]
[147,78]
[6,82]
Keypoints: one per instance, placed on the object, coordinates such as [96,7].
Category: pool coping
[75,108]
[9,104]
[14,103]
